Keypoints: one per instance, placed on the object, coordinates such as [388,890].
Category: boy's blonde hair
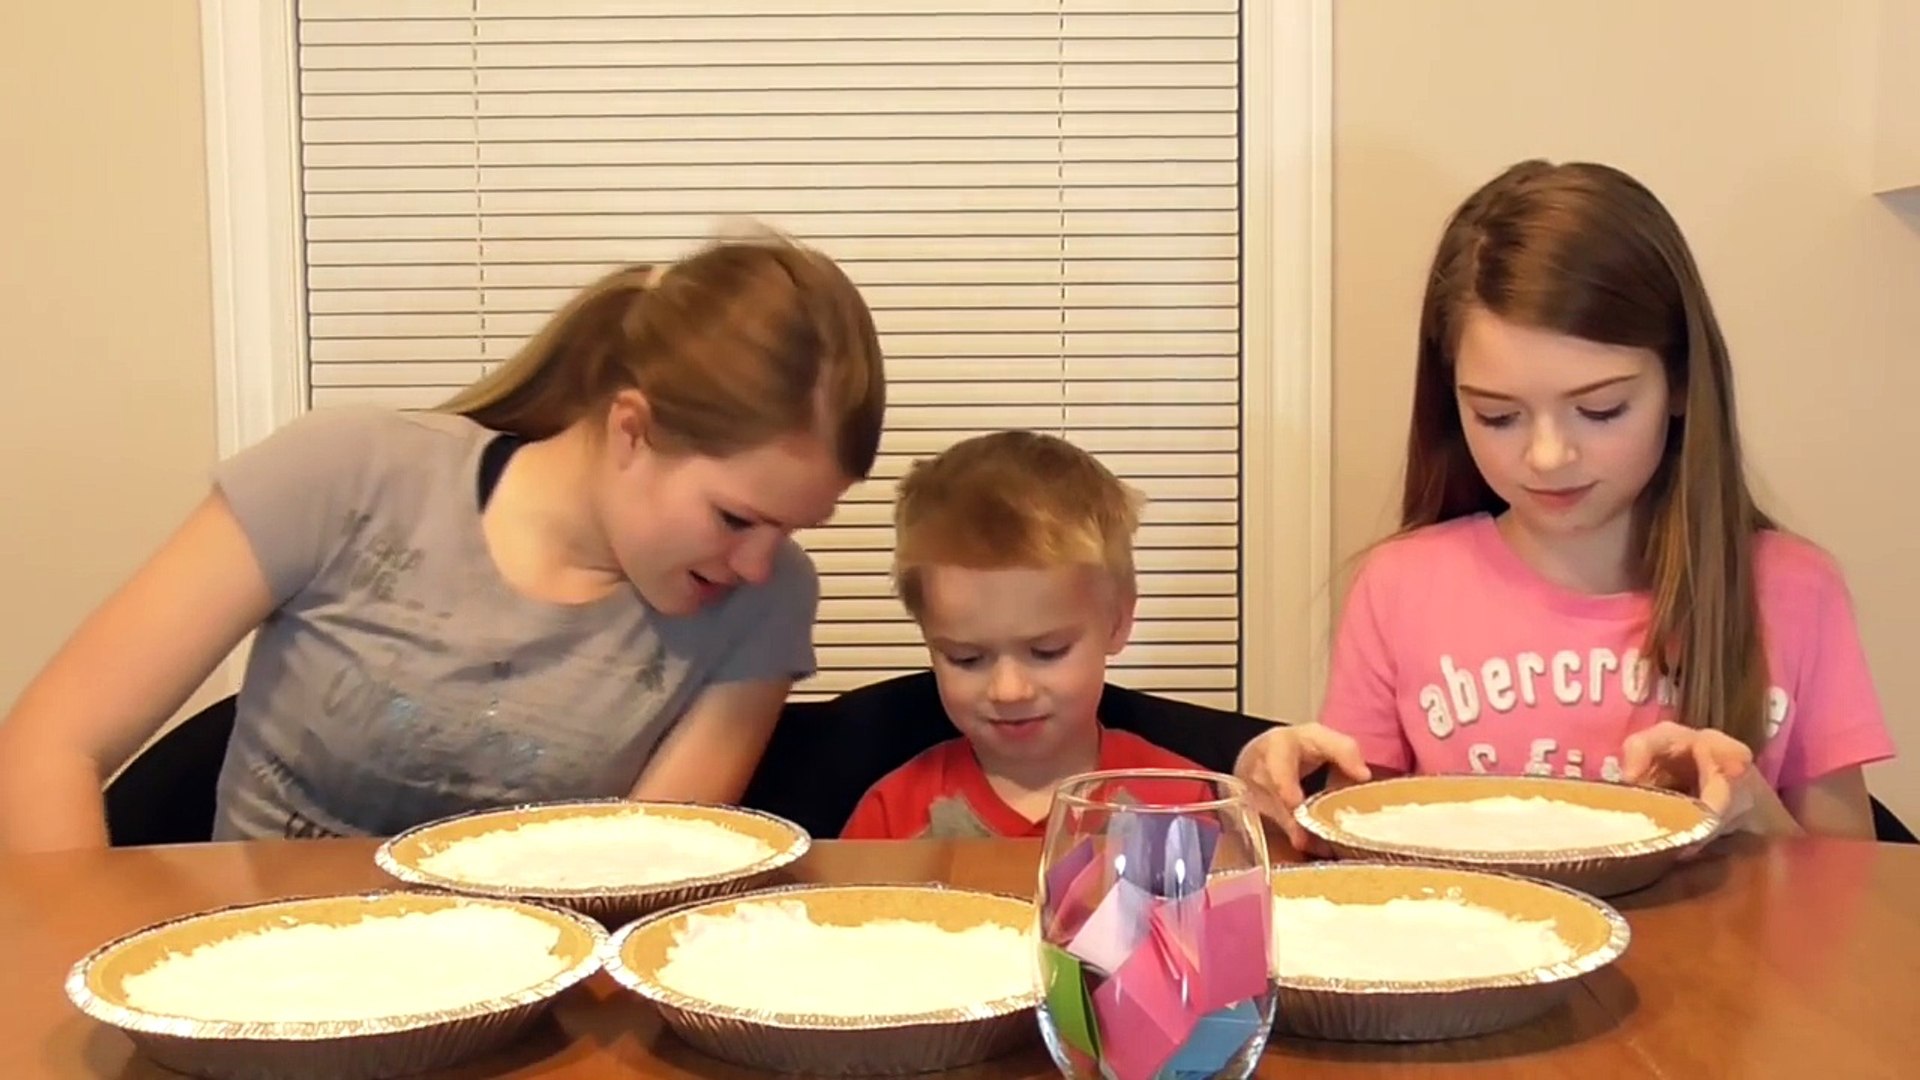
[1012,499]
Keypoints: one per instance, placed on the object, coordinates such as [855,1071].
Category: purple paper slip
[1075,887]
[1166,854]
[1061,874]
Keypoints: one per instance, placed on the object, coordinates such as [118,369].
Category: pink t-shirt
[1455,656]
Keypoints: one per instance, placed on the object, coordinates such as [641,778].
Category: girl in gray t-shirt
[576,579]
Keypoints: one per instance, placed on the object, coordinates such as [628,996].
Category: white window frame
[253,196]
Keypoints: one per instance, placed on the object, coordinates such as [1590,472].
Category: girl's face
[1567,431]
[688,529]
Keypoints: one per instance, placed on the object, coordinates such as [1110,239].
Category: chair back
[1887,826]
[824,755]
[167,793]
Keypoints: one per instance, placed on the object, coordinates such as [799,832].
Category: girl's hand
[1758,809]
[1701,763]
[1275,761]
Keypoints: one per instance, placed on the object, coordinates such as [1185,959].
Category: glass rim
[1236,790]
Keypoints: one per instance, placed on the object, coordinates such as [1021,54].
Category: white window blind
[1039,198]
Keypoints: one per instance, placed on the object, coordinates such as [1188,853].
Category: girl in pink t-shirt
[1582,584]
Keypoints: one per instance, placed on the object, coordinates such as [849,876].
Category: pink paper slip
[1074,887]
[1179,927]
[1235,962]
[1142,1015]
[1116,927]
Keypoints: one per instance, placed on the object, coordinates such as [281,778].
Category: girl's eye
[1051,654]
[1604,415]
[1499,420]
[961,661]
[735,521]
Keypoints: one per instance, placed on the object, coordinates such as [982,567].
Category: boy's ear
[1122,620]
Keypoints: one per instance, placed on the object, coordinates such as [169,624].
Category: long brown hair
[733,347]
[1586,250]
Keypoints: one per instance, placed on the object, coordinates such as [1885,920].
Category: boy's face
[1021,654]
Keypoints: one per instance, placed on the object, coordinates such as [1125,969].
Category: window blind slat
[622,91]
[1170,347]
[459,370]
[781,24]
[1164,511]
[950,249]
[760,202]
[1173,610]
[874,275]
[1195,585]
[1152,536]
[1055,226]
[359,167]
[1047,295]
[314,12]
[898,631]
[893,324]
[837,562]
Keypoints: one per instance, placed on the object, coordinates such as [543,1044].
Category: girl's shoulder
[1793,574]
[396,432]
[1428,550]
[343,435]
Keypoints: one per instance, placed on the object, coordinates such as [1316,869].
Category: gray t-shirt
[401,679]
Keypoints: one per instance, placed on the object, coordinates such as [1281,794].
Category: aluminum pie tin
[614,905]
[1381,1010]
[370,1049]
[1608,870]
[825,1045]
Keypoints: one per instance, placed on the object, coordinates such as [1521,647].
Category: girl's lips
[1559,498]
[707,591]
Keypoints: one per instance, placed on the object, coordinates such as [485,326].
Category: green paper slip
[1067,1000]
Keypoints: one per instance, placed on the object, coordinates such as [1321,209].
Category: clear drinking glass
[1156,927]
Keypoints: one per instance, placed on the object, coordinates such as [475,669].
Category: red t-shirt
[943,794]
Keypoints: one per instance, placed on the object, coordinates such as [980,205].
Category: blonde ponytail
[567,366]
[740,344]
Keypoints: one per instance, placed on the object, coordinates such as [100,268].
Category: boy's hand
[1273,763]
[1699,762]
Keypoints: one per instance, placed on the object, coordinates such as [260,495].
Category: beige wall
[105,359]
[1753,121]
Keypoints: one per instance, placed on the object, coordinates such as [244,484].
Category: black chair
[166,794]
[1888,828]
[824,755]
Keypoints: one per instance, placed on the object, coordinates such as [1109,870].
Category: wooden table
[1797,959]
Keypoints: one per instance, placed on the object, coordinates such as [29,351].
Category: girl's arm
[1363,678]
[712,752]
[1837,724]
[129,667]
[1835,805]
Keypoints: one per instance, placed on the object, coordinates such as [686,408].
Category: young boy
[1014,552]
